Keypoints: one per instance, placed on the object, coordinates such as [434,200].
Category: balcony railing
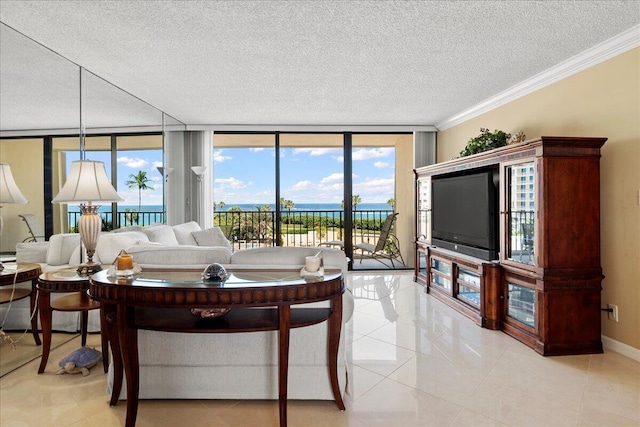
[247,229]
[124,219]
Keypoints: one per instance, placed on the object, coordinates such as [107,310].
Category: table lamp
[10,194]
[88,183]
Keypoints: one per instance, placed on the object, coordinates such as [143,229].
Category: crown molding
[313,128]
[617,45]
[88,132]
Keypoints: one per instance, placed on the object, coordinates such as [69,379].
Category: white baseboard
[623,349]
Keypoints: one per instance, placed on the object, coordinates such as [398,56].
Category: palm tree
[141,182]
[392,202]
[286,204]
[355,200]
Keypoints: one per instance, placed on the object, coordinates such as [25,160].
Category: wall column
[186,198]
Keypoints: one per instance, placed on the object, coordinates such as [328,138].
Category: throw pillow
[61,246]
[162,234]
[211,237]
[110,244]
[183,233]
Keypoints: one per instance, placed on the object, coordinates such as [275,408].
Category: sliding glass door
[289,189]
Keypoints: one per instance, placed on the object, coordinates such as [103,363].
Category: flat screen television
[464,214]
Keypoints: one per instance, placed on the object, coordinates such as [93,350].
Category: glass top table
[238,278]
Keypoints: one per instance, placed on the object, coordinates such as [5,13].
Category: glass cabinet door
[521,212]
[424,209]
[521,304]
[441,274]
[422,263]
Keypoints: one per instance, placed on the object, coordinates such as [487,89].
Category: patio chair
[35,228]
[386,247]
[527,241]
[331,243]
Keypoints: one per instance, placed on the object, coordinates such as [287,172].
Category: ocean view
[251,207]
[154,212]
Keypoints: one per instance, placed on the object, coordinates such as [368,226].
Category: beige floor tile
[597,417]
[467,418]
[361,381]
[470,355]
[364,324]
[430,367]
[378,356]
[521,407]
[400,334]
[393,404]
[439,377]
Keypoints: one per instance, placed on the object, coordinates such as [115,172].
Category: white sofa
[63,251]
[211,366]
[243,365]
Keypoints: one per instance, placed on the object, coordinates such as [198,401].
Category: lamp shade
[87,182]
[198,170]
[10,194]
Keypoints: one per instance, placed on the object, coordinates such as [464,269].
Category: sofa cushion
[128,228]
[183,233]
[169,256]
[32,252]
[289,256]
[61,246]
[211,237]
[110,244]
[161,233]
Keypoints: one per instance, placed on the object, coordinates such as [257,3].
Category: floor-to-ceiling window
[311,188]
[138,180]
[131,163]
[289,188]
[244,187]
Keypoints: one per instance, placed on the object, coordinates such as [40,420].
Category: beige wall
[404,198]
[603,101]
[25,157]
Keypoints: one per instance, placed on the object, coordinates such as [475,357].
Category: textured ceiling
[290,62]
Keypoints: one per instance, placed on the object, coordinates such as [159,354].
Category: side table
[259,300]
[67,281]
[17,273]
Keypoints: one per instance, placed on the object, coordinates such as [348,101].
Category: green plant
[485,141]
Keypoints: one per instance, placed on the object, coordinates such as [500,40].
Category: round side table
[17,273]
[67,281]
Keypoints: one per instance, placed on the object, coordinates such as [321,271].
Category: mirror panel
[39,88]
[40,103]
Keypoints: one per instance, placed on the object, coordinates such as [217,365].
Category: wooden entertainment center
[544,287]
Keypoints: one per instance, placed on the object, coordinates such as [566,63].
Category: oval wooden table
[77,286]
[259,300]
[14,273]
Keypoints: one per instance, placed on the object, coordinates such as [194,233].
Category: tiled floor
[414,362]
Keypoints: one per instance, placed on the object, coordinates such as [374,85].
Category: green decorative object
[485,141]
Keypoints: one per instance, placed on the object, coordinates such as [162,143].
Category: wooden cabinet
[471,286]
[544,287]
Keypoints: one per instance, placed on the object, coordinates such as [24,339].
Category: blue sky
[308,175]
[247,175]
[131,162]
